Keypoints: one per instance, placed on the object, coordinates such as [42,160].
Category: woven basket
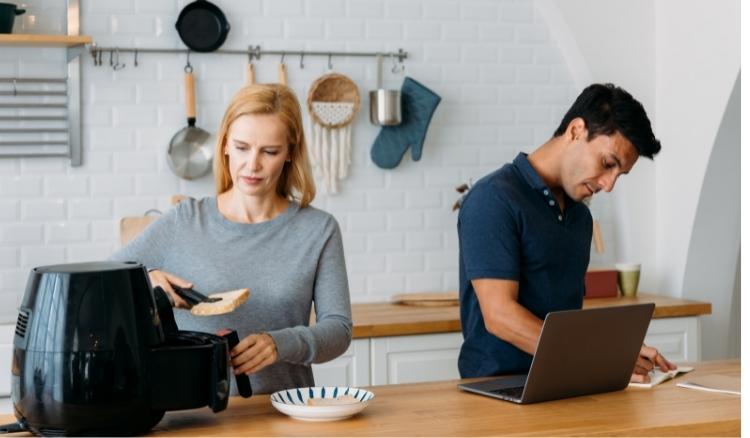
[333,87]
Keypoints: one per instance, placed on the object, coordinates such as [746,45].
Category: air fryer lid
[95,306]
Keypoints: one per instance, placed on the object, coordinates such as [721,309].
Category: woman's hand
[648,359]
[165,280]
[254,353]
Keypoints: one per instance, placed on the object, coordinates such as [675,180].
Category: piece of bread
[340,400]
[230,300]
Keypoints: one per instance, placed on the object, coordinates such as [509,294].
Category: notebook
[714,383]
[658,376]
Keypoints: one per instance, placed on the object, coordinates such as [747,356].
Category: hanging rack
[251,52]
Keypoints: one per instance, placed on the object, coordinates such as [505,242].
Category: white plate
[293,402]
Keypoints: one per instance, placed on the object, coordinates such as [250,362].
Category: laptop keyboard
[516,392]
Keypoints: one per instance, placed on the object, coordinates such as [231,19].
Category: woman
[261,233]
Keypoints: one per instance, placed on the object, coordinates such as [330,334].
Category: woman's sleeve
[150,248]
[332,332]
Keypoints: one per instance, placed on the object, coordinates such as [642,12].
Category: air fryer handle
[242,380]
[166,314]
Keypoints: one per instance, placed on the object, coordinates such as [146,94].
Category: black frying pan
[202,26]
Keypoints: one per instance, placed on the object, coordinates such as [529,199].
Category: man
[525,235]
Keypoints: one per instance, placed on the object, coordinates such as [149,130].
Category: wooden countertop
[441,409]
[388,319]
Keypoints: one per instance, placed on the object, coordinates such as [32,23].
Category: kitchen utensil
[193,297]
[333,102]
[250,74]
[385,105]
[427,299]
[418,104]
[190,151]
[202,26]
[282,72]
[8,12]
[115,361]
[296,402]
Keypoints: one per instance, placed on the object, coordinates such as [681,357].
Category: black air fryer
[97,352]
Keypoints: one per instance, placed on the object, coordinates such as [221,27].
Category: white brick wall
[504,85]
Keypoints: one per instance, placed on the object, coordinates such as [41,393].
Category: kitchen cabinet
[405,344]
[413,359]
[678,339]
[350,369]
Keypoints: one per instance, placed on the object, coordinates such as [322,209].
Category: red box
[601,283]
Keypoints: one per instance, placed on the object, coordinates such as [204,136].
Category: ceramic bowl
[299,403]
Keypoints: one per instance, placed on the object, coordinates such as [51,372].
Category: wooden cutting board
[427,299]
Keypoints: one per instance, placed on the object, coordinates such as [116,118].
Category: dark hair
[607,109]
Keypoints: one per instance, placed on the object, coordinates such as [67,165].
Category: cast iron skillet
[202,26]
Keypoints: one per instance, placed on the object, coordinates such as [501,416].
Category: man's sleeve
[489,236]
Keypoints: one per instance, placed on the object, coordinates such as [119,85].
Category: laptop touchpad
[509,381]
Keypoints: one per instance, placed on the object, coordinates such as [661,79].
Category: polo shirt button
[546,192]
[559,217]
[551,202]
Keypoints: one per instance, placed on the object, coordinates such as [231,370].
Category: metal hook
[257,52]
[330,63]
[99,53]
[188,67]
[135,58]
[301,60]
[118,65]
[111,54]
[396,69]
[283,55]
[250,54]
[15,89]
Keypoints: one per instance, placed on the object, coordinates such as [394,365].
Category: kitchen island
[441,409]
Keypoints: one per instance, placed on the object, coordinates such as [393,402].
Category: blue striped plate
[340,402]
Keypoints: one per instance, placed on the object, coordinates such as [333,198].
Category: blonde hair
[296,181]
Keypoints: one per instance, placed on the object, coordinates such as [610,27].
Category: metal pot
[190,154]
[202,26]
[8,12]
[385,105]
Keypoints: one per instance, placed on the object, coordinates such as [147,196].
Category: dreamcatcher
[333,102]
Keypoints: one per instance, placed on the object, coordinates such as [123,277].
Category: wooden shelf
[44,40]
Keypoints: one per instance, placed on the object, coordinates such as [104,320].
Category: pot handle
[282,73]
[20,11]
[250,73]
[190,97]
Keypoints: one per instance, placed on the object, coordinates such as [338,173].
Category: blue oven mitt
[418,103]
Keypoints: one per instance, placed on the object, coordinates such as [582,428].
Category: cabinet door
[350,369]
[678,339]
[410,359]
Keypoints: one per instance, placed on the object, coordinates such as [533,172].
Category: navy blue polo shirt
[511,227]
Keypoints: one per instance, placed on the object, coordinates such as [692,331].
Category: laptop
[580,352]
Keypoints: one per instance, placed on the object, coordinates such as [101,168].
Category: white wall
[503,81]
[698,59]
[680,59]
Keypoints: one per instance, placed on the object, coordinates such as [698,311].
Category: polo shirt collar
[529,174]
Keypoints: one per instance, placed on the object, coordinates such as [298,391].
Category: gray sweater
[288,263]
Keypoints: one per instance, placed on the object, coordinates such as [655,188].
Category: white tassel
[333,171]
[342,146]
[325,166]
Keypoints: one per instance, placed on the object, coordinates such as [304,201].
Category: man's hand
[254,353]
[165,280]
[648,359]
